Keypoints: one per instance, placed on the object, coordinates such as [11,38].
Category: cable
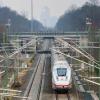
[72,47]
[75,58]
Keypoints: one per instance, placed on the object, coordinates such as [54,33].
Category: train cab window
[61,71]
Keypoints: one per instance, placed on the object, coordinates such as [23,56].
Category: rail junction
[37,83]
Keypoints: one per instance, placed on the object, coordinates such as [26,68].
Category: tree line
[75,19]
[17,22]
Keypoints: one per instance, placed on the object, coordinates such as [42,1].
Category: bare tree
[94,2]
[24,13]
[73,7]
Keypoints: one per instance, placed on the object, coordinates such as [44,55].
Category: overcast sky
[55,7]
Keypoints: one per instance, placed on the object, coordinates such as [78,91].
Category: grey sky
[56,7]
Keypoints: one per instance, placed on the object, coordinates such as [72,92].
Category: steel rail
[39,95]
[67,96]
[27,91]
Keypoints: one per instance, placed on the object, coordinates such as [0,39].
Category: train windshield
[61,71]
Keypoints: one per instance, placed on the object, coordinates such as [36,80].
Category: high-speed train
[61,72]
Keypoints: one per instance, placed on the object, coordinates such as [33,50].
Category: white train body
[61,72]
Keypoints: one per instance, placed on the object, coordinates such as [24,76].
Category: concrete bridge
[49,34]
[76,34]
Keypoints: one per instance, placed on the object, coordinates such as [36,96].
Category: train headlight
[57,77]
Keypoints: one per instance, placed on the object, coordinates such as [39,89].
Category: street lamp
[31,15]
[88,23]
[8,25]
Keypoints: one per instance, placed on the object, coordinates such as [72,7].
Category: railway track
[33,90]
[63,96]
[27,91]
[41,82]
[67,95]
[34,87]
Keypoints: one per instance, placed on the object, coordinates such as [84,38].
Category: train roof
[58,57]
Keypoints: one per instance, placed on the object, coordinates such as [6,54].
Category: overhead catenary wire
[92,81]
[88,57]
[18,50]
[83,50]
[14,67]
[15,96]
[94,60]
[9,90]
[67,44]
[89,77]
[76,59]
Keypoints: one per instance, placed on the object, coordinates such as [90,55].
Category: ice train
[61,72]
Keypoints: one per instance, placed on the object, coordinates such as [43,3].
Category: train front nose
[62,83]
[62,86]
